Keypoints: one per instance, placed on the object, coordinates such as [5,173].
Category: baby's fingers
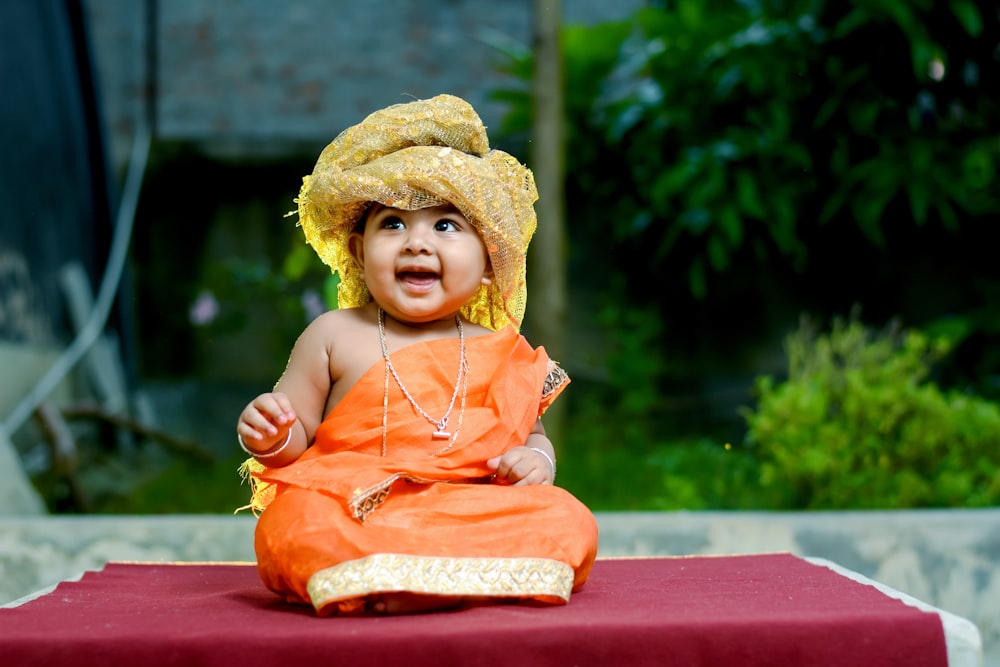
[275,407]
[516,468]
[501,467]
[284,406]
[532,475]
[255,425]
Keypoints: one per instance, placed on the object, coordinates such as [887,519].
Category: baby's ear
[356,246]
[487,278]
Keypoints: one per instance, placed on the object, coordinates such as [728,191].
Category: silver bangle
[268,454]
[552,463]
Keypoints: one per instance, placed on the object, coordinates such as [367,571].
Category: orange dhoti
[343,523]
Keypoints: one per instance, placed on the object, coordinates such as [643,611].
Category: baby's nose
[417,239]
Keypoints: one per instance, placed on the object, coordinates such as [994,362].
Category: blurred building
[251,77]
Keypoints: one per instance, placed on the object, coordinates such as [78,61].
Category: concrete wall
[245,77]
[946,558]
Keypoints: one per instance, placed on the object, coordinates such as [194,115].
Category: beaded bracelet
[552,463]
[268,454]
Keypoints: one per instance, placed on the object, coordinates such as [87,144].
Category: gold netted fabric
[417,155]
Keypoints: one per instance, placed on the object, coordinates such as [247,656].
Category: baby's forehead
[446,207]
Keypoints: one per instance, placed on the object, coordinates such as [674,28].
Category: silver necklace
[440,425]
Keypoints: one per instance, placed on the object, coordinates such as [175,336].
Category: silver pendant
[441,433]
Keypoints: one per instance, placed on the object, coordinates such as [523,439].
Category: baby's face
[421,265]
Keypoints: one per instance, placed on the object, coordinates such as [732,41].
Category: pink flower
[204,309]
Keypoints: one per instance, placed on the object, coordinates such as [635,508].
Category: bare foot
[394,604]
[413,603]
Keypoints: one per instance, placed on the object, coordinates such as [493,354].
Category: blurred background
[768,261]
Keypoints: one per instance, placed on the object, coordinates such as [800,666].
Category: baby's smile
[418,278]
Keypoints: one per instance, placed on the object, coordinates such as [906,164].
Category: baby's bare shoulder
[335,329]
[344,333]
[340,322]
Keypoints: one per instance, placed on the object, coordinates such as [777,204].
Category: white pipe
[94,326]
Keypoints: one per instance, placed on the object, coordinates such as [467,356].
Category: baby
[400,464]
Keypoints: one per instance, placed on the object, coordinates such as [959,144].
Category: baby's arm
[278,426]
[532,463]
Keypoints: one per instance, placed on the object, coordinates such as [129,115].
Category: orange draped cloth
[344,523]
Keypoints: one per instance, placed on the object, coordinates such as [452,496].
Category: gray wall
[246,77]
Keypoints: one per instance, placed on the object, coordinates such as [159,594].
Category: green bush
[859,423]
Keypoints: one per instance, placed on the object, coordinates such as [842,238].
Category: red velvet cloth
[773,609]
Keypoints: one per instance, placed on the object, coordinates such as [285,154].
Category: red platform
[773,609]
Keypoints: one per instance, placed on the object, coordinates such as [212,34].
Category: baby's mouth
[417,278]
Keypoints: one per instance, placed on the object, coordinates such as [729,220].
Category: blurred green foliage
[858,423]
[699,132]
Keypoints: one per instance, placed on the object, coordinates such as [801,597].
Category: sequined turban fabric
[417,155]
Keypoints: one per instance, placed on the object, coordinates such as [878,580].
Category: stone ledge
[946,558]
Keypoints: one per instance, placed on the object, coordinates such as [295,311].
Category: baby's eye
[445,225]
[392,222]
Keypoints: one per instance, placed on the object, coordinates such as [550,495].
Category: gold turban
[417,155]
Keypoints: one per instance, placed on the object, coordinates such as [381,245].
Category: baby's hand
[521,466]
[264,423]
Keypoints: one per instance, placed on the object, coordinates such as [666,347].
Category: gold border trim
[541,579]
[368,500]
[554,378]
